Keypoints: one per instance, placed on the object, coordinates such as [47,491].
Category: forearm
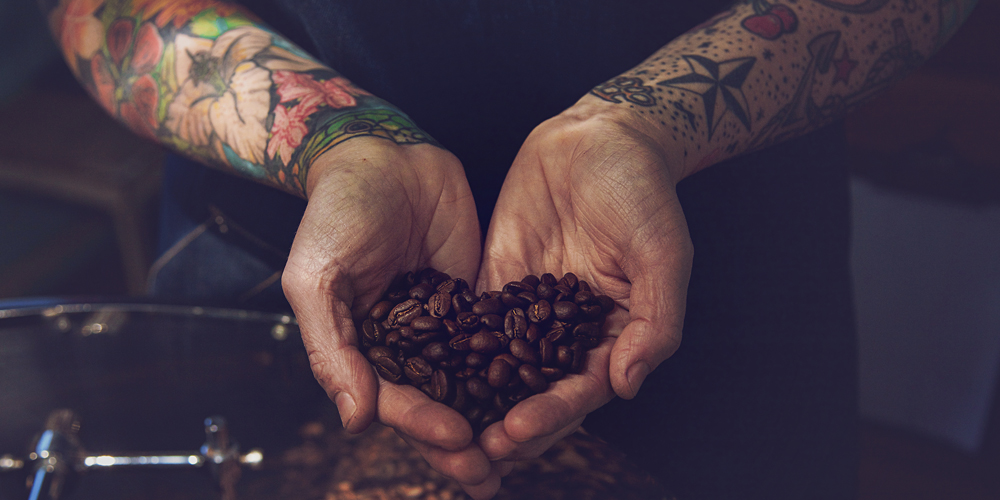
[209,80]
[766,71]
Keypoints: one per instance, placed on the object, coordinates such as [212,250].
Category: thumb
[330,338]
[657,302]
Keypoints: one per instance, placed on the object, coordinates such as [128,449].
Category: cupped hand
[376,209]
[591,193]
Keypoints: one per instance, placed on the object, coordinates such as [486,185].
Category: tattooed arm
[209,80]
[592,190]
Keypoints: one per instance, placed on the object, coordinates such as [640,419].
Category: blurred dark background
[77,217]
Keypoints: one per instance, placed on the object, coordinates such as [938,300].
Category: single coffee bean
[460,303]
[438,278]
[607,303]
[528,297]
[516,287]
[427,389]
[491,305]
[509,359]
[477,360]
[591,312]
[392,338]
[475,415]
[492,321]
[377,352]
[469,321]
[523,351]
[406,345]
[380,311]
[499,374]
[405,312]
[484,343]
[551,373]
[388,369]
[565,310]
[479,389]
[546,292]
[533,378]
[455,361]
[422,292]
[563,288]
[583,286]
[533,333]
[442,386]
[563,297]
[422,338]
[418,370]
[439,305]
[452,286]
[427,324]
[436,352]
[546,351]
[426,274]
[564,357]
[460,402]
[522,393]
[451,327]
[531,280]
[557,333]
[577,363]
[502,337]
[466,373]
[540,311]
[512,300]
[460,342]
[368,334]
[570,280]
[590,330]
[491,417]
[582,298]
[548,279]
[398,296]
[515,324]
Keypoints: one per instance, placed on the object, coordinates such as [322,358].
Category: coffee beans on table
[483,354]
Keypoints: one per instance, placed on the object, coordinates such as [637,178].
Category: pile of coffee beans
[483,354]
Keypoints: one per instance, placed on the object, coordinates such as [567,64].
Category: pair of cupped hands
[591,192]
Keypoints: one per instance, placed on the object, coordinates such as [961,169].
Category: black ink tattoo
[630,89]
[715,81]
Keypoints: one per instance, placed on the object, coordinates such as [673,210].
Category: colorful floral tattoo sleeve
[765,71]
[213,82]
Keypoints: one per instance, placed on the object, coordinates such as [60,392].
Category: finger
[659,275]
[467,466]
[563,403]
[486,489]
[504,467]
[412,413]
[498,446]
[324,316]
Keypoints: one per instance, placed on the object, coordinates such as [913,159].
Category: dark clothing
[759,402]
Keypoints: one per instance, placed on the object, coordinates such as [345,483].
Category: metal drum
[136,400]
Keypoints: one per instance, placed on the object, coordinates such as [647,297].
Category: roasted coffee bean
[531,280]
[406,345]
[476,360]
[469,321]
[460,342]
[484,343]
[512,300]
[502,337]
[368,333]
[564,357]
[454,362]
[479,389]
[607,303]
[548,279]
[460,401]
[427,324]
[515,324]
[570,280]
[466,373]
[439,305]
[388,369]
[392,338]
[398,296]
[565,311]
[523,351]
[546,351]
[418,370]
[516,287]
[422,338]
[551,373]
[499,374]
[492,321]
[591,312]
[442,386]
[380,352]
[460,303]
[583,286]
[422,292]
[557,333]
[502,403]
[509,358]
[475,415]
[529,297]
[540,311]
[564,289]
[586,330]
[533,378]
[426,274]
[452,286]
[405,312]
[491,305]
[533,334]
[582,298]
[522,393]
[546,292]
[436,352]
[380,311]
[451,327]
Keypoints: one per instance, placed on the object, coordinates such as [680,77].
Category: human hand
[590,193]
[377,209]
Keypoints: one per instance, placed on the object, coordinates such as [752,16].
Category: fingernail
[636,374]
[346,406]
